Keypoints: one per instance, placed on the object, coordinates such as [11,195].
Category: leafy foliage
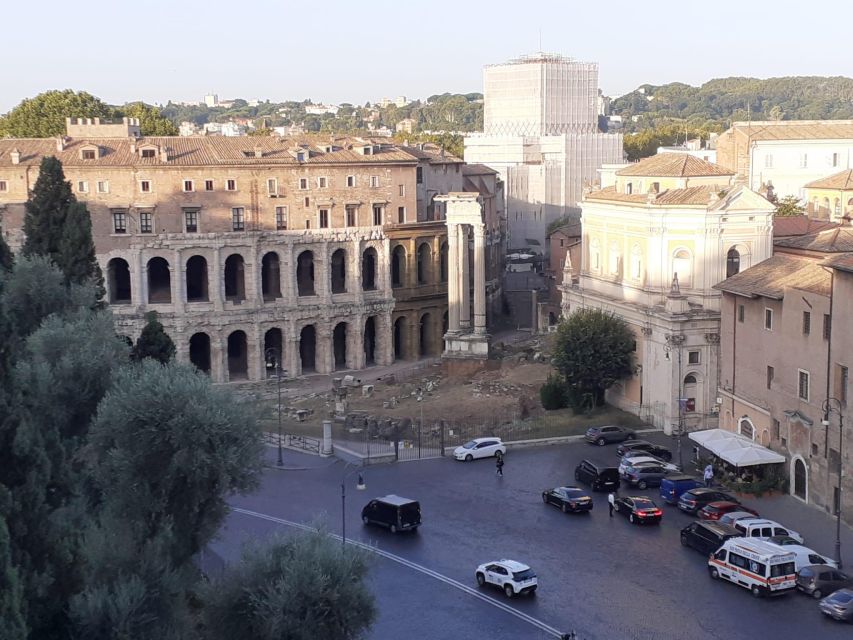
[789,206]
[646,142]
[151,120]
[7,259]
[77,250]
[46,210]
[553,394]
[12,625]
[153,342]
[593,351]
[44,115]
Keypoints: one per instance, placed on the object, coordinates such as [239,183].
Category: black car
[606,435]
[693,500]
[638,509]
[572,499]
[600,477]
[707,537]
[656,450]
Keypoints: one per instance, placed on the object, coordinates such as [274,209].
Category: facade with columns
[652,255]
[320,253]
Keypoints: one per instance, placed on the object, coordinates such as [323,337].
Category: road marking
[542,626]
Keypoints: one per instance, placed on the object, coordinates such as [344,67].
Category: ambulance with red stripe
[761,567]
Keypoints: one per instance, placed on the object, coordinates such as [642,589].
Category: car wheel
[715,575]
[642,484]
[365,519]
[601,442]
[564,508]
[393,528]
[532,591]
[508,591]
[817,594]
[631,518]
[544,498]
[684,541]
[481,579]
[468,458]
[755,591]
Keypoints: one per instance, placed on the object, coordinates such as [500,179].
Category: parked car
[644,476]
[714,510]
[693,500]
[600,477]
[803,556]
[838,605]
[763,529]
[512,577]
[819,579]
[733,516]
[672,486]
[394,512]
[644,460]
[572,499]
[638,509]
[608,435]
[763,568]
[780,540]
[656,450]
[707,537]
[479,448]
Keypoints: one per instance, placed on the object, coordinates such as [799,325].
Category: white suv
[479,448]
[511,576]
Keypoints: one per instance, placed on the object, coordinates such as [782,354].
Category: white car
[641,461]
[479,448]
[512,577]
[805,556]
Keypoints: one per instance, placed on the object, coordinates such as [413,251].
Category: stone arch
[400,335]
[339,345]
[799,478]
[118,279]
[200,351]
[159,281]
[370,341]
[235,278]
[425,335]
[445,323]
[308,348]
[682,264]
[271,276]
[305,274]
[424,264]
[238,356]
[196,279]
[368,269]
[442,261]
[273,350]
[746,428]
[338,271]
[398,266]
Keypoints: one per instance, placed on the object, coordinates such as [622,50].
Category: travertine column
[291,354]
[218,358]
[215,282]
[324,352]
[139,293]
[179,273]
[355,343]
[384,354]
[479,281]
[464,281]
[452,278]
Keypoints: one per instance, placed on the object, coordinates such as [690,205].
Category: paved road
[600,576]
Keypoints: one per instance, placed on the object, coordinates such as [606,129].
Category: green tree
[789,206]
[12,625]
[77,250]
[593,351]
[153,342]
[46,211]
[152,122]
[300,588]
[7,259]
[44,115]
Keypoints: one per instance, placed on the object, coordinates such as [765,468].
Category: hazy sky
[336,50]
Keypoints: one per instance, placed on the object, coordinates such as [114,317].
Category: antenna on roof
[540,38]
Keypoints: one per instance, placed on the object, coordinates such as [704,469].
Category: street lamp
[675,342]
[420,399]
[273,363]
[360,486]
[834,405]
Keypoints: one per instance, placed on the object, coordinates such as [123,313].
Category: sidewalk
[294,460]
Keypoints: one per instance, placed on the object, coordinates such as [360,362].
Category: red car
[713,510]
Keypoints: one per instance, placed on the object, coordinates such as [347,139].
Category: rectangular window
[804,160]
[827,326]
[350,181]
[768,319]
[807,323]
[324,218]
[147,153]
[145,186]
[281,218]
[377,215]
[88,154]
[191,220]
[402,190]
[231,185]
[188,185]
[420,175]
[303,183]
[770,373]
[803,385]
[238,222]
[693,357]
[768,161]
[146,222]
[374,181]
[322,182]
[4,186]
[741,313]
[208,185]
[307,224]
[119,221]
[272,186]
[307,202]
[842,379]
[351,217]
[82,187]
[834,159]
[104,186]
[776,429]
[401,214]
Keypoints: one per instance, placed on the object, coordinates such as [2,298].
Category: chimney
[60,142]
[15,155]
[258,152]
[164,154]
[132,143]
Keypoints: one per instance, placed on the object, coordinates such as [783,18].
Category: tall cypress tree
[47,209]
[76,256]
[153,342]
[12,625]
[6,257]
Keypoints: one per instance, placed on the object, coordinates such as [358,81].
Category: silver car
[838,605]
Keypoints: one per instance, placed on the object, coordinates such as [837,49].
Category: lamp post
[360,486]
[420,393]
[834,405]
[273,361]
[675,342]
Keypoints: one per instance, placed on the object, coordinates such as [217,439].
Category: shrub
[553,394]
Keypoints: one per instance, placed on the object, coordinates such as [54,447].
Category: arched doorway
[238,356]
[200,351]
[339,271]
[339,345]
[399,338]
[270,276]
[425,336]
[732,262]
[118,276]
[197,279]
[305,274]
[398,266]
[424,264]
[370,341]
[273,350]
[159,281]
[800,485]
[308,348]
[235,278]
[368,269]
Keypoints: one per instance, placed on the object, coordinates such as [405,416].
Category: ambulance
[761,567]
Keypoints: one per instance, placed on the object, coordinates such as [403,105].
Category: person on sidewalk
[709,475]
[611,501]
[499,465]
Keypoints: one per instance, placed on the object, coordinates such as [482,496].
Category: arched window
[615,258]
[689,379]
[836,208]
[636,262]
[595,255]
[732,262]
[682,264]
[746,428]
[801,478]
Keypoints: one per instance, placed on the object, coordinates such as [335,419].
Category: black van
[394,512]
[707,537]
[599,476]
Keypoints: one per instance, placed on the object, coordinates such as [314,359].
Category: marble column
[215,282]
[140,294]
[464,281]
[452,279]
[479,281]
[178,285]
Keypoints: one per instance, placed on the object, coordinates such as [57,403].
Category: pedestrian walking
[709,475]
[499,465]
[611,501]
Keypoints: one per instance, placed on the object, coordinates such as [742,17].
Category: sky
[346,51]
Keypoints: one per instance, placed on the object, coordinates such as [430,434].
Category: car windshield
[642,503]
[470,445]
[842,597]
[783,569]
[523,575]
[573,493]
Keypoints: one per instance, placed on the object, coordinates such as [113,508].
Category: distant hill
[718,102]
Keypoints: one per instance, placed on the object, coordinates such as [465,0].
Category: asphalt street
[599,576]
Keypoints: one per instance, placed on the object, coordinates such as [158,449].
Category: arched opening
[746,428]
[308,348]
[271,276]
[398,266]
[305,274]
[238,356]
[615,257]
[445,323]
[273,351]
[689,393]
[368,269]
[235,278]
[424,264]
[197,279]
[200,351]
[442,261]
[339,271]
[425,335]
[836,208]
[595,255]
[801,477]
[399,338]
[159,281]
[732,262]
[339,345]
[118,276]
[682,264]
[370,341]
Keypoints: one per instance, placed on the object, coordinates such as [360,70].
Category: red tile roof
[676,165]
[770,278]
[842,180]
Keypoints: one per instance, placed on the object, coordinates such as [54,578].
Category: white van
[762,529]
[761,567]
[805,556]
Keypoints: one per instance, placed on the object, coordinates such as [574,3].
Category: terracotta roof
[797,129]
[836,240]
[770,278]
[679,165]
[693,196]
[842,180]
[431,152]
[842,261]
[477,170]
[570,230]
[784,226]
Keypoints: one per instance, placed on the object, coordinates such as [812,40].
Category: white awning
[735,449]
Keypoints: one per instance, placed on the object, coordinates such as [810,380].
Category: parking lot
[600,576]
